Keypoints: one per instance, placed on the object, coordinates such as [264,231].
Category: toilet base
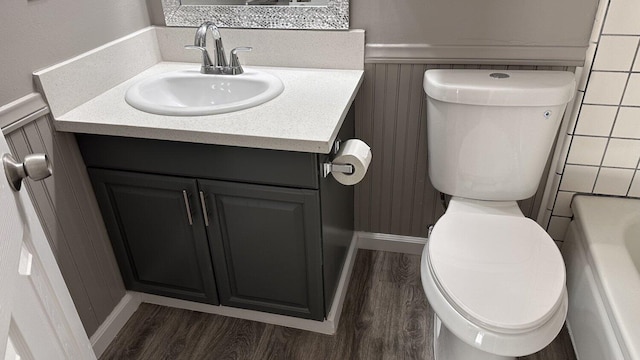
[447,346]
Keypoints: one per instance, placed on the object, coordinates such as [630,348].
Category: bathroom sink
[190,93]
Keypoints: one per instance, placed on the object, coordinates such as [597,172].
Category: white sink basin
[190,93]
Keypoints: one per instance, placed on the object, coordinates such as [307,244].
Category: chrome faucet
[220,66]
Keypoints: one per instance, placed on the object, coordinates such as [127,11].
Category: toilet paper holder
[328,168]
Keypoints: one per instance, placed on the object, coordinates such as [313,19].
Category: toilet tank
[490,131]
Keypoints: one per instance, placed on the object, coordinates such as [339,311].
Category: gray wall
[472,22]
[542,32]
[39,33]
[156,15]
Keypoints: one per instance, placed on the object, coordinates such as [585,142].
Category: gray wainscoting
[396,196]
[67,209]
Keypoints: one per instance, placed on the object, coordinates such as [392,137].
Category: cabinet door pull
[186,204]
[204,209]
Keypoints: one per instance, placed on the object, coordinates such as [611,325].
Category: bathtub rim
[601,223]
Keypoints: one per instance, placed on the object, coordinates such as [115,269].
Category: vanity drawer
[260,166]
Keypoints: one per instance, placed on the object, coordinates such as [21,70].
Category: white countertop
[306,117]
[86,93]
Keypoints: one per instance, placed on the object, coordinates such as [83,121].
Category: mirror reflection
[257,2]
[297,14]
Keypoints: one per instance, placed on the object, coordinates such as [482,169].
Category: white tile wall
[635,186]
[605,88]
[622,18]
[578,178]
[587,150]
[627,123]
[613,181]
[615,53]
[632,94]
[596,120]
[601,152]
[622,153]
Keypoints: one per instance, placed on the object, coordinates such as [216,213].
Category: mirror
[257,2]
[260,14]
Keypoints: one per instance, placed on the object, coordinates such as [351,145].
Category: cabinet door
[156,228]
[266,247]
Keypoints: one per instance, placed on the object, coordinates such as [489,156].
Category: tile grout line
[635,58]
[622,35]
[598,166]
[612,105]
[605,136]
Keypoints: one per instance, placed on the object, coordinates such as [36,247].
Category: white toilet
[494,278]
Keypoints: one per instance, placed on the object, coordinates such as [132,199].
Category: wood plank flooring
[386,316]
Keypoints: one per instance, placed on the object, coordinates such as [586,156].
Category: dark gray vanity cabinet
[250,228]
[157,233]
[266,247]
[264,240]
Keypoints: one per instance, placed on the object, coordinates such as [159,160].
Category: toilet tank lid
[500,87]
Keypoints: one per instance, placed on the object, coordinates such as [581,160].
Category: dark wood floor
[386,316]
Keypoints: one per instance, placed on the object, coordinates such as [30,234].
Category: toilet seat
[503,273]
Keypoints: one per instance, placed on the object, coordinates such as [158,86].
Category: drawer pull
[204,209]
[186,204]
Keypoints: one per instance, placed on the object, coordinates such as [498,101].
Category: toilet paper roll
[353,152]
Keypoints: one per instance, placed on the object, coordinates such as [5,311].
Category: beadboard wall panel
[71,220]
[396,196]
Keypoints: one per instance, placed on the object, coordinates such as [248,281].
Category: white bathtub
[602,254]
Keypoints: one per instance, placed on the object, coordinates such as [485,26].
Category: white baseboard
[108,330]
[343,284]
[392,243]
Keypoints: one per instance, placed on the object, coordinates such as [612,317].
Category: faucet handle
[206,60]
[235,66]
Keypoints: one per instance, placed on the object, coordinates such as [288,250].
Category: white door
[37,316]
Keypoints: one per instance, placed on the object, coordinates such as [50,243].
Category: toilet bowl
[495,280]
